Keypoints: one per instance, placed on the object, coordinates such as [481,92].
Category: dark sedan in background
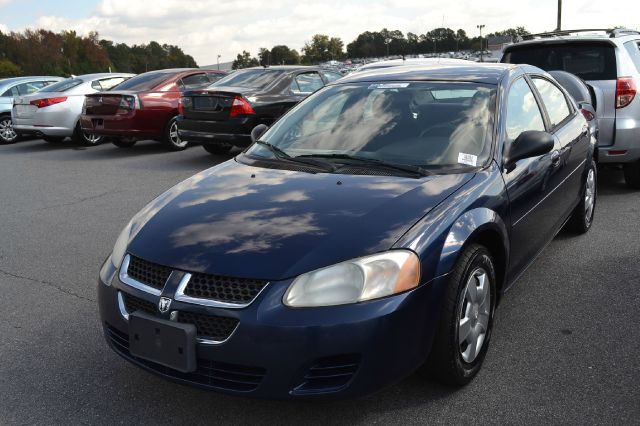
[144,107]
[224,114]
[370,232]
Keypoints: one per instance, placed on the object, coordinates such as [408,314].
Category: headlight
[120,247]
[356,280]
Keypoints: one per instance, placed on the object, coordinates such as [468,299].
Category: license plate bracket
[168,343]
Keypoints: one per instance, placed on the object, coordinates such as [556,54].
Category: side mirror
[258,131]
[530,143]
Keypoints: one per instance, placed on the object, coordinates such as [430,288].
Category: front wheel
[582,216]
[464,329]
[632,174]
[172,138]
[7,134]
[218,148]
[84,138]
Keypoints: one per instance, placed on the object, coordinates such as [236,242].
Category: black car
[224,114]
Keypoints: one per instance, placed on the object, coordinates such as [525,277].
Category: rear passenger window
[633,47]
[29,88]
[309,82]
[553,100]
[195,81]
[523,112]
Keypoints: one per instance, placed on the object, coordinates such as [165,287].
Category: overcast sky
[206,28]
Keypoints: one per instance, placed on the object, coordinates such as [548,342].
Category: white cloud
[4,28]
[207,28]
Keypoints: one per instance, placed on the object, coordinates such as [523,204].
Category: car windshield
[433,125]
[254,78]
[63,86]
[143,82]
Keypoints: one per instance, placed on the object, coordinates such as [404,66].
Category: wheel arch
[482,226]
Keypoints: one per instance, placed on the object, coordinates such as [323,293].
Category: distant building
[224,66]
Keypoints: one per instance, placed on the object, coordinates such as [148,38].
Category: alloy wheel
[474,315]
[92,138]
[590,196]
[174,137]
[6,130]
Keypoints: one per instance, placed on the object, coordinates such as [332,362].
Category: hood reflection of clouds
[254,230]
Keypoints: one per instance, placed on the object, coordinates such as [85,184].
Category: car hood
[244,221]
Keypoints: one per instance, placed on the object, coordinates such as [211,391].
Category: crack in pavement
[71,203]
[48,284]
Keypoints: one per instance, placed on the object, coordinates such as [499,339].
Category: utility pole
[559,27]
[480,27]
[218,62]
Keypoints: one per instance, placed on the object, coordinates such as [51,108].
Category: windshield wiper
[410,168]
[281,155]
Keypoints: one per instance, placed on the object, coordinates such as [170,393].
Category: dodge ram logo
[164,304]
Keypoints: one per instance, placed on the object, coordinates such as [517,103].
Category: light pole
[559,15]
[480,27]
[218,61]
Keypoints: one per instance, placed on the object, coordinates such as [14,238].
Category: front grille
[211,374]
[133,303]
[330,374]
[148,273]
[224,289]
[209,327]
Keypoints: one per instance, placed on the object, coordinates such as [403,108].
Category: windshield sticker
[468,159]
[388,86]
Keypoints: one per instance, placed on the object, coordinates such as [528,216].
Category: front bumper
[280,352]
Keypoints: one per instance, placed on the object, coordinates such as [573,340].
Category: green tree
[321,48]
[282,55]
[9,69]
[244,60]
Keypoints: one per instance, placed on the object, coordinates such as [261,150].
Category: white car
[53,113]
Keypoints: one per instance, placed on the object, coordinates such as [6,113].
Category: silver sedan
[54,112]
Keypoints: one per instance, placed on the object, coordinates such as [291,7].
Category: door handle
[555,157]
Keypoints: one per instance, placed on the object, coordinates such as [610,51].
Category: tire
[218,148]
[171,139]
[84,138]
[632,174]
[453,362]
[123,143]
[582,217]
[7,134]
[53,139]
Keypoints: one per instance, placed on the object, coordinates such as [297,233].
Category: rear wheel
[7,134]
[582,217]
[123,142]
[171,138]
[464,329]
[218,148]
[632,174]
[84,138]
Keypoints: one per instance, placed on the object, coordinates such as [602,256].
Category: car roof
[29,78]
[412,61]
[94,76]
[472,72]
[283,68]
[609,36]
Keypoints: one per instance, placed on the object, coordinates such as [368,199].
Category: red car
[144,107]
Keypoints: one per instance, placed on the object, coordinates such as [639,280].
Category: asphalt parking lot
[564,349]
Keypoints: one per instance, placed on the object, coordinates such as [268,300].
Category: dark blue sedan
[369,233]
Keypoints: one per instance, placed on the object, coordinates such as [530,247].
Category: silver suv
[609,61]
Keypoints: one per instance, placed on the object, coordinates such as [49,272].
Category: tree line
[322,48]
[42,52]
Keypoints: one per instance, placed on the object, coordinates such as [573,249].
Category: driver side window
[523,111]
